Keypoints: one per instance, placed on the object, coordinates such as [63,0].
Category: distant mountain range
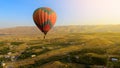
[62,29]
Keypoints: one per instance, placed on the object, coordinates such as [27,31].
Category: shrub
[5,50]
[16,43]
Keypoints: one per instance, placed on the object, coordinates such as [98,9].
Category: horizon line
[63,25]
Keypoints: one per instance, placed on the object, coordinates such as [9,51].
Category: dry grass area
[70,50]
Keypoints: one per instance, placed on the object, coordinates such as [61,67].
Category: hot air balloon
[44,18]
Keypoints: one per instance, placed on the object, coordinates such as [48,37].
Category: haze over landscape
[63,29]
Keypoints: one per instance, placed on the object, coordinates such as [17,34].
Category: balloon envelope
[44,18]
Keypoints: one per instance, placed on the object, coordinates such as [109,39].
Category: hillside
[63,29]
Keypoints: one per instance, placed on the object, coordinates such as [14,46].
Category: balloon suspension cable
[44,36]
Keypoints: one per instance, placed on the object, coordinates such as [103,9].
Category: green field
[70,50]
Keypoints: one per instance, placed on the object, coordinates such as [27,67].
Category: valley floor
[75,50]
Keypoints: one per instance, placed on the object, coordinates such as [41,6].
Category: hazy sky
[69,12]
